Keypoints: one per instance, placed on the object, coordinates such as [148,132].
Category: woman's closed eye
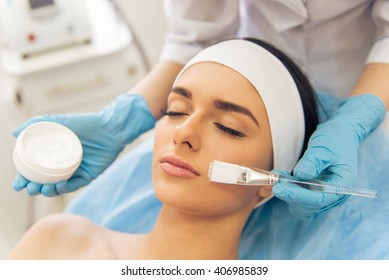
[229,131]
[172,113]
[221,127]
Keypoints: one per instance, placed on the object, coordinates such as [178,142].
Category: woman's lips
[176,166]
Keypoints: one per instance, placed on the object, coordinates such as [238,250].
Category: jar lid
[48,148]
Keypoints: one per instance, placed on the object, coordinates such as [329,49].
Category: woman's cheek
[226,147]
[163,134]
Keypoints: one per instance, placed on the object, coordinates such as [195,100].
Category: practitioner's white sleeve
[195,24]
[380,50]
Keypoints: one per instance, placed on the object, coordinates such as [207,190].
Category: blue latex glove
[332,155]
[103,136]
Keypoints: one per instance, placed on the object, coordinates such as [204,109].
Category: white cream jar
[47,153]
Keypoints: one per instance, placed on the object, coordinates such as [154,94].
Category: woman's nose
[187,134]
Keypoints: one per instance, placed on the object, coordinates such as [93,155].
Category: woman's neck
[177,235]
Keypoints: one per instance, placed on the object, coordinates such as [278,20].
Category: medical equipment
[67,55]
[228,173]
[47,153]
[38,26]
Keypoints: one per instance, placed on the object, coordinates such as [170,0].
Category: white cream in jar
[47,153]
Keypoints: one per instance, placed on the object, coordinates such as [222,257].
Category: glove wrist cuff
[365,112]
[127,117]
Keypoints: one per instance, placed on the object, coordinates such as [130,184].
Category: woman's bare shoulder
[65,224]
[59,236]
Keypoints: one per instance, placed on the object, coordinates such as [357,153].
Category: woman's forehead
[211,76]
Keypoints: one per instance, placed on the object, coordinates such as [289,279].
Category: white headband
[276,87]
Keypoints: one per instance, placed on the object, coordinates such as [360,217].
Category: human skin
[196,137]
[374,80]
[196,213]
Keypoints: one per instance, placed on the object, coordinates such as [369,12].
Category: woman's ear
[264,192]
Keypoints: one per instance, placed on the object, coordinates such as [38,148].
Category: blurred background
[59,57]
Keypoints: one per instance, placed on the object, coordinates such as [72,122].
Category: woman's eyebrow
[219,104]
[229,106]
[183,92]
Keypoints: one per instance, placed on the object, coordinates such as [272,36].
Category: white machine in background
[63,56]
[60,56]
[37,26]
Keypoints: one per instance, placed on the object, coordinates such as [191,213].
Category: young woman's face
[213,113]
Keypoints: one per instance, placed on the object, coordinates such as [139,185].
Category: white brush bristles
[223,172]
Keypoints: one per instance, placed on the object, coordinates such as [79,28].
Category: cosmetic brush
[228,173]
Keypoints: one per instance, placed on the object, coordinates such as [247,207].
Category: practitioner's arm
[374,80]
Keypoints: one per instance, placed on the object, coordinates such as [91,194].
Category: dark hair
[307,93]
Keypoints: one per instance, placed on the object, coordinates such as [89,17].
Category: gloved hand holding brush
[332,155]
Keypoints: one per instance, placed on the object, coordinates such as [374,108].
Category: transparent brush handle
[326,187]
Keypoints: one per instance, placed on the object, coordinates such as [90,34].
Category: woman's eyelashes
[223,128]
[172,113]
[230,131]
